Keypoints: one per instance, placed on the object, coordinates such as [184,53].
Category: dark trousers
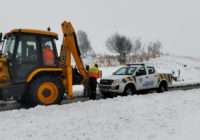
[93,87]
[87,90]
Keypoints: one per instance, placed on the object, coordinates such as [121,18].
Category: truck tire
[162,87]
[129,90]
[46,90]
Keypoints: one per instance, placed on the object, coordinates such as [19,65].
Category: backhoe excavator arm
[70,48]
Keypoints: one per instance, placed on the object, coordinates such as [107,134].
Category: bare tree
[137,46]
[154,49]
[119,44]
[150,49]
[157,48]
[84,43]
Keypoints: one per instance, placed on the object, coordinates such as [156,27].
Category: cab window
[151,70]
[8,46]
[48,53]
[141,71]
[26,56]
[27,50]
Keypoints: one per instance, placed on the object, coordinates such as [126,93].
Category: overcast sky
[176,23]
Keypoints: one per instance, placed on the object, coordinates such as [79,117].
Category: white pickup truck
[130,79]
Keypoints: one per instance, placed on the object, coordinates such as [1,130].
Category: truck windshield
[8,46]
[125,71]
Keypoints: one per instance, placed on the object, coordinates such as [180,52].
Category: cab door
[48,51]
[152,77]
[26,56]
[141,78]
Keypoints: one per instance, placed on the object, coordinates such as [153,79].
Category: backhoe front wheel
[46,90]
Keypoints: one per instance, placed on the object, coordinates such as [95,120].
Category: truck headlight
[124,80]
[116,82]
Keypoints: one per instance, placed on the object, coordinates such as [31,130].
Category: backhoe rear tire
[46,90]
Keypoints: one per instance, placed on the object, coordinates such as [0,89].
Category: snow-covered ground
[169,116]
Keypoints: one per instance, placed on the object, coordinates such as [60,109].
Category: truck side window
[141,71]
[151,70]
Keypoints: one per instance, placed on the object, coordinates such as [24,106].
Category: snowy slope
[189,68]
[168,116]
[172,115]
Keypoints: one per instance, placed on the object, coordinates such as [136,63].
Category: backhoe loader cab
[26,50]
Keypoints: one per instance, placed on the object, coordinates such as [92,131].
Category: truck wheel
[129,90]
[46,90]
[163,87]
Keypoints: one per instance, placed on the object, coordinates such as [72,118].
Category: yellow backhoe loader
[32,72]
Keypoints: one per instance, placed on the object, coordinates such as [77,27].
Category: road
[12,105]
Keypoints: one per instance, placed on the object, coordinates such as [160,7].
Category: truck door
[141,75]
[152,79]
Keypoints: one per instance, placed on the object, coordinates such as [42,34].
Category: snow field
[169,116]
[172,115]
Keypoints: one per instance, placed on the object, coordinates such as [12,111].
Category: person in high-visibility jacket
[48,56]
[94,74]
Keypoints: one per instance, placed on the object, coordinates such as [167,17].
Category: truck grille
[106,82]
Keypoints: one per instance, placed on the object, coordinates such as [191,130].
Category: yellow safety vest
[94,72]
